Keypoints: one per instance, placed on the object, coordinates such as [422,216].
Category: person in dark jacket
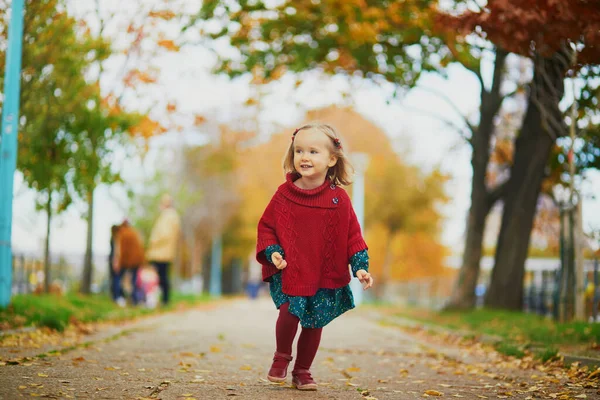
[129,256]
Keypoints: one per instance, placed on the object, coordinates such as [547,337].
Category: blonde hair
[341,172]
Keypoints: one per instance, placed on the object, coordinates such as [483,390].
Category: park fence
[540,296]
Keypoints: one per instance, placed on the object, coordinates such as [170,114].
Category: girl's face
[312,157]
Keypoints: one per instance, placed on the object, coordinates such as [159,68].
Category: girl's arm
[358,261]
[270,250]
[275,255]
[360,268]
[267,235]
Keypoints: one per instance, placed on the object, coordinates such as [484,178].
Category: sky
[410,121]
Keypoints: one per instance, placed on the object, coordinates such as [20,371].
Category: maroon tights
[308,342]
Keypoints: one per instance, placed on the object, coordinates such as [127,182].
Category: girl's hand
[365,278]
[278,260]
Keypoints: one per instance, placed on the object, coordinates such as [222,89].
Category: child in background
[307,236]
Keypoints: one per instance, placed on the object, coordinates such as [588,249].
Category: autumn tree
[139,34]
[394,233]
[54,94]
[100,126]
[561,38]
[386,42]
[404,201]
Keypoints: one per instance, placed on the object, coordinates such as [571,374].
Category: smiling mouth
[304,166]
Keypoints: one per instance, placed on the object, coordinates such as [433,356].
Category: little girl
[307,236]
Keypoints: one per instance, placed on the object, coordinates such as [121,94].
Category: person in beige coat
[163,245]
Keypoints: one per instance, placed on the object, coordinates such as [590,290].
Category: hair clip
[337,143]
[294,134]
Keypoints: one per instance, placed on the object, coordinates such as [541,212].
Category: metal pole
[556,311]
[595,296]
[8,145]
[360,161]
[215,266]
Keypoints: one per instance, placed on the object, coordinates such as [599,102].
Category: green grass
[517,331]
[515,326]
[57,312]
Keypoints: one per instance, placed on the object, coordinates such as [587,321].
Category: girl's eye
[298,151]
[314,152]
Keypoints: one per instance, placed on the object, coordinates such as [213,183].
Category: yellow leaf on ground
[246,368]
[433,393]
[215,349]
[353,369]
[595,373]
[42,375]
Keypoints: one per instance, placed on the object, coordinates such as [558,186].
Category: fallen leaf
[594,374]
[433,393]
[42,375]
[246,368]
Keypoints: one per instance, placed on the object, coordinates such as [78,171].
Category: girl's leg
[285,332]
[308,344]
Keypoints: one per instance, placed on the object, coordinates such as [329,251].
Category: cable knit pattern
[318,230]
[329,237]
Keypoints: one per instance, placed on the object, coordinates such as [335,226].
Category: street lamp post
[215,265]
[360,162]
[8,145]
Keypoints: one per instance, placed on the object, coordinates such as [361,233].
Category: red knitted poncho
[318,232]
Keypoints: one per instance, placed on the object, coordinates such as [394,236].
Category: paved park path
[223,351]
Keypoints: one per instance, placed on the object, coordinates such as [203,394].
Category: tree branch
[451,104]
[459,129]
[496,194]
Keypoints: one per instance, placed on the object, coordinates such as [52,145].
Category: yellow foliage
[164,14]
[199,119]
[415,249]
[168,44]
[147,128]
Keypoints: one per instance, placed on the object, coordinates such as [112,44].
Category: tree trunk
[532,150]
[463,296]
[47,249]
[86,279]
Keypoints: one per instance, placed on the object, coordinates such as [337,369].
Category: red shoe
[302,380]
[278,370]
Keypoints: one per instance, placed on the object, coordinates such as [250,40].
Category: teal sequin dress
[324,306]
